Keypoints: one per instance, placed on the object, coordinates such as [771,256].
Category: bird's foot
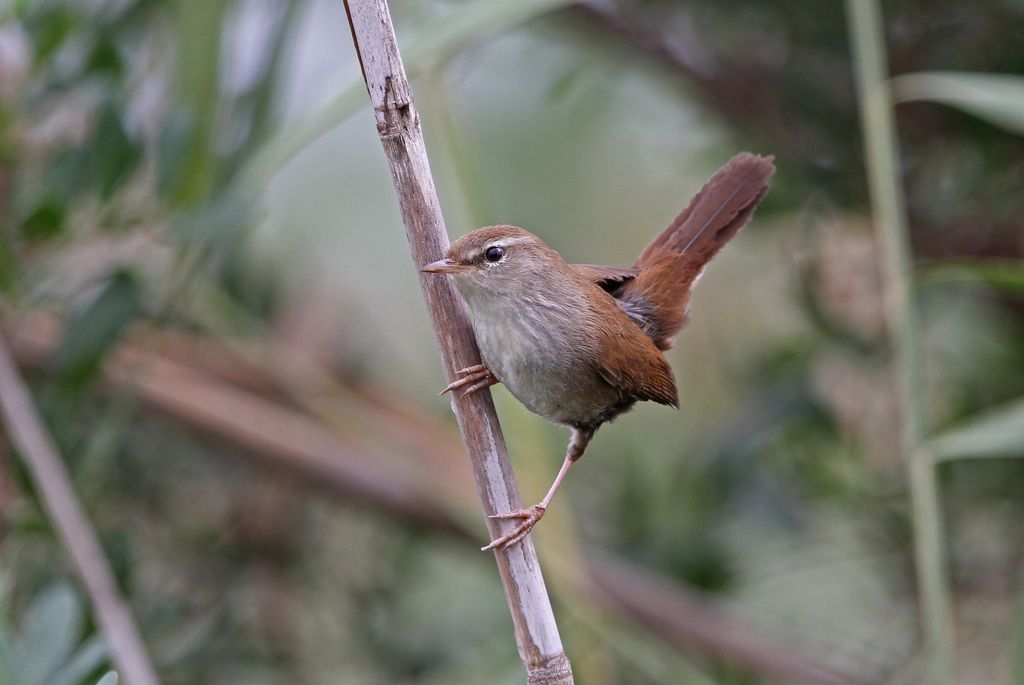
[529,518]
[476,377]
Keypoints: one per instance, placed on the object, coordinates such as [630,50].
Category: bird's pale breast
[525,341]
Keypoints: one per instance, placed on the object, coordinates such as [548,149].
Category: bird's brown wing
[638,373]
[608,278]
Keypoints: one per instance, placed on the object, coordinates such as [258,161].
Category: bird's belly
[550,379]
[553,394]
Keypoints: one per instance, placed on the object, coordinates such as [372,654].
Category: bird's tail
[671,263]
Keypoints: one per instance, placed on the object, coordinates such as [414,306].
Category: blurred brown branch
[27,433]
[189,392]
[277,436]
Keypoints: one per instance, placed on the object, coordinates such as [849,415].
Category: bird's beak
[443,266]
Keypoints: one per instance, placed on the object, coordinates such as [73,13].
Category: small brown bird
[580,344]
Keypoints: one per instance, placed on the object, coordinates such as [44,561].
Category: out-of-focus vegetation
[200,182]
[46,648]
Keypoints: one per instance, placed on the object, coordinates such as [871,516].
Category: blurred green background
[199,228]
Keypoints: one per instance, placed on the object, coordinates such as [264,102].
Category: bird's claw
[529,518]
[476,377]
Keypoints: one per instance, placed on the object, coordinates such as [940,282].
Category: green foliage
[997,98]
[172,150]
[50,24]
[8,267]
[45,220]
[1002,276]
[47,648]
[98,327]
[998,432]
[114,154]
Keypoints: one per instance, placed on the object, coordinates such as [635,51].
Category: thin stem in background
[51,480]
[540,646]
[867,37]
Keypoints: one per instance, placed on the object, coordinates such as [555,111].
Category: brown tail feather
[657,297]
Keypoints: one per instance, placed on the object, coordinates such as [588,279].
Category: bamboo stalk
[540,647]
[881,150]
[53,484]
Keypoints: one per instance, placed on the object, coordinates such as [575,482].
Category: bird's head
[496,259]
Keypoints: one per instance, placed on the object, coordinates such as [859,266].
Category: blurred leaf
[103,163]
[114,154]
[1005,276]
[49,28]
[216,223]
[172,147]
[45,220]
[89,657]
[448,35]
[996,98]
[8,143]
[105,58]
[263,95]
[108,679]
[68,174]
[49,631]
[433,44]
[8,267]
[98,327]
[198,74]
[995,433]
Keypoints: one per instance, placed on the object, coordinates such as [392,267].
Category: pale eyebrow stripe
[504,242]
[501,242]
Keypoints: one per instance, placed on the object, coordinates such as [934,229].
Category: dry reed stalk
[50,477]
[888,208]
[540,646]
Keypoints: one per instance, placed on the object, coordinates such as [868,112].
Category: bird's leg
[529,517]
[476,377]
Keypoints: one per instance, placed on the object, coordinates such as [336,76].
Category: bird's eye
[494,253]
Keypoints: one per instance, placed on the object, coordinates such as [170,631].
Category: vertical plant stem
[65,511]
[200,48]
[540,646]
[1017,636]
[867,36]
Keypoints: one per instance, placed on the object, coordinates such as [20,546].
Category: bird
[580,344]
